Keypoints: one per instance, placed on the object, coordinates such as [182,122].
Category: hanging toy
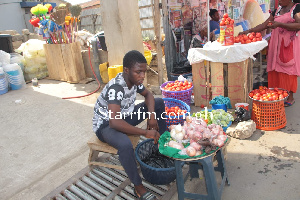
[35,22]
[49,6]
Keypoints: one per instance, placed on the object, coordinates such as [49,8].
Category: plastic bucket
[15,78]
[243,105]
[219,106]
[3,82]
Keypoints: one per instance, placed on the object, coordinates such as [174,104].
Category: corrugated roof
[90,3]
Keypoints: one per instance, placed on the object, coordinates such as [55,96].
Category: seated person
[116,115]
[214,23]
[199,40]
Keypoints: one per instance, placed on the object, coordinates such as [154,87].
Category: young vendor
[116,115]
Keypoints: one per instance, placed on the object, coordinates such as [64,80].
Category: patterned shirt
[115,92]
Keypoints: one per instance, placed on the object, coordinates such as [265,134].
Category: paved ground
[43,143]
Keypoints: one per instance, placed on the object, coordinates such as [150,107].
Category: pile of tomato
[266,94]
[246,39]
[174,111]
[178,86]
[226,20]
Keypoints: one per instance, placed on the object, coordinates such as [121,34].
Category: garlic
[178,128]
[173,133]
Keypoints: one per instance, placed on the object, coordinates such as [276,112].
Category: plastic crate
[158,176]
[184,95]
[174,120]
[268,116]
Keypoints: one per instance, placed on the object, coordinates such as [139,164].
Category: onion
[206,133]
[198,153]
[196,146]
[222,137]
[178,128]
[173,133]
[190,133]
[188,119]
[179,136]
[197,136]
[190,151]
[176,145]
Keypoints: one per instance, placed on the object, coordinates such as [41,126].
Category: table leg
[179,179]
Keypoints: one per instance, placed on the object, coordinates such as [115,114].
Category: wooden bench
[96,147]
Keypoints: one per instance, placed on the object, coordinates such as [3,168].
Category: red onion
[190,151]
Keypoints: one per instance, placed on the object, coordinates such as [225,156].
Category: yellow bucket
[114,70]
[104,72]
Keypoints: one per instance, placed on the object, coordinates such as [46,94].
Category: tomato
[258,34]
[248,41]
[202,106]
[225,15]
[251,94]
[285,94]
[243,42]
[250,36]
[253,33]
[254,40]
[259,39]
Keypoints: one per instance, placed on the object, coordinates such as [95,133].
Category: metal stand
[214,193]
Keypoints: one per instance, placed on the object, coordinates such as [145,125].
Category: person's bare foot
[142,193]
[291,97]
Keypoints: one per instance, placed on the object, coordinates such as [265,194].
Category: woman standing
[283,65]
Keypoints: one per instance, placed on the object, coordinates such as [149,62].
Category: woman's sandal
[288,104]
[146,196]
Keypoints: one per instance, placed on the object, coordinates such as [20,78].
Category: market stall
[223,70]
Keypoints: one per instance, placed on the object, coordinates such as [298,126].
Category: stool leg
[210,178]
[93,155]
[179,180]
[222,165]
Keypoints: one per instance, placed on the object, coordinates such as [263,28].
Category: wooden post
[121,24]
[157,30]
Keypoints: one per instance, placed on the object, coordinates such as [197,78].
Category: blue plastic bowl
[219,106]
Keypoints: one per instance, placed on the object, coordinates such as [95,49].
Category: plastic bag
[15,76]
[4,58]
[242,114]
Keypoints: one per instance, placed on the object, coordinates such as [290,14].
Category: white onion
[178,128]
[173,133]
[190,151]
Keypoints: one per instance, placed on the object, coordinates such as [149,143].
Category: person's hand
[152,124]
[273,24]
[152,134]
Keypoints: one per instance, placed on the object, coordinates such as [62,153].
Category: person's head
[203,31]
[134,67]
[214,15]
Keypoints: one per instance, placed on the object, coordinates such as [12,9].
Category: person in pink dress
[283,64]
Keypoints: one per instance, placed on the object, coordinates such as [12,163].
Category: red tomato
[245,37]
[258,34]
[222,23]
[250,36]
[251,94]
[254,40]
[248,41]
[259,39]
[202,106]
[225,15]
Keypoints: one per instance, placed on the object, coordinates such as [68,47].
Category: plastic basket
[184,95]
[268,116]
[158,176]
[174,120]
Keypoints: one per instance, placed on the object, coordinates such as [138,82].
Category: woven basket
[174,120]
[158,176]
[184,95]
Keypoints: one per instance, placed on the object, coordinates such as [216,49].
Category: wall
[11,15]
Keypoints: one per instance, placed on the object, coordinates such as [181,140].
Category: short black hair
[133,57]
[212,12]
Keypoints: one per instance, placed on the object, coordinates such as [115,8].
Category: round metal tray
[272,101]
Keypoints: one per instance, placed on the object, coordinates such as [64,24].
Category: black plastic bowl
[158,176]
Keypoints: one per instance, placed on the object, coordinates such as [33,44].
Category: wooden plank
[237,81]
[55,61]
[78,61]
[199,82]
[217,79]
[69,63]
[111,25]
